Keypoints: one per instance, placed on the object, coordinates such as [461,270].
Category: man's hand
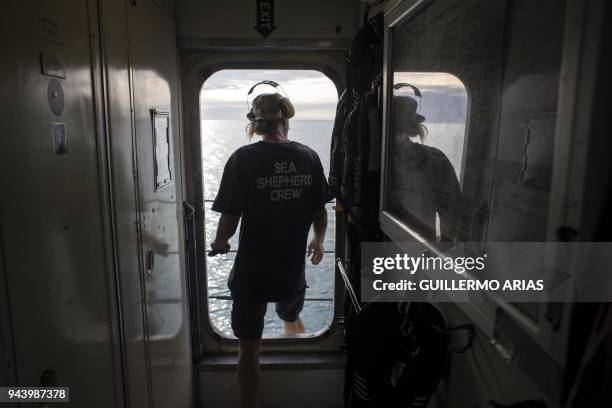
[219,247]
[315,248]
[315,251]
[225,230]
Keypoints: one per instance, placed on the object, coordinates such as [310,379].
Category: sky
[429,80]
[224,94]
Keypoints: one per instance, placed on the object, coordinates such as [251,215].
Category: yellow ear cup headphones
[286,107]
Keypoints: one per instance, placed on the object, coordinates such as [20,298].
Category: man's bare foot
[296,327]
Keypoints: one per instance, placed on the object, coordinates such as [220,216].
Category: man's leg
[296,327]
[289,311]
[248,372]
[247,324]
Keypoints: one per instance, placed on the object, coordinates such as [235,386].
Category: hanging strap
[366,12]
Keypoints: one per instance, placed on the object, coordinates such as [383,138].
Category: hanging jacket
[354,175]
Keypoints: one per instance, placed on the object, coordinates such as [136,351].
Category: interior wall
[480,374]
[51,211]
[7,355]
[295,20]
[155,86]
[73,219]
[118,108]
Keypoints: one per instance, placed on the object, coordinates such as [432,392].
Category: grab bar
[193,279]
[229,297]
[349,287]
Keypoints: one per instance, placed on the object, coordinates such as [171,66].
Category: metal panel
[51,216]
[295,20]
[118,108]
[153,66]
[8,376]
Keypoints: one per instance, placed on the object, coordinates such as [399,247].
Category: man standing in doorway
[277,189]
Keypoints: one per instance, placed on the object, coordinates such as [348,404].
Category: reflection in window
[426,142]
[223,110]
[431,47]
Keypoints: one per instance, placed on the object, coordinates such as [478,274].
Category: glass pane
[445,85]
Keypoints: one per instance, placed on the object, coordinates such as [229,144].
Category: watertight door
[155,89]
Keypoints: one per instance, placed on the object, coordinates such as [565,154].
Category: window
[223,103]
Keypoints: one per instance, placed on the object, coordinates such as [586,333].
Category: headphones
[286,107]
[416,90]
[417,117]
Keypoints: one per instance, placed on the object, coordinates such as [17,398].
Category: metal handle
[505,352]
[150,261]
[349,287]
[191,248]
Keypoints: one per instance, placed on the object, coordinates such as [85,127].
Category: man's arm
[225,230]
[315,248]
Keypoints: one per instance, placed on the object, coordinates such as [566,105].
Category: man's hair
[419,130]
[266,127]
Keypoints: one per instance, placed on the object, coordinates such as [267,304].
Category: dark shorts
[248,315]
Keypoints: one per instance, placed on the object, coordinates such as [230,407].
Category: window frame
[392,225]
[330,338]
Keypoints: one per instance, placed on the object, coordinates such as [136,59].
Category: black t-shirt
[276,188]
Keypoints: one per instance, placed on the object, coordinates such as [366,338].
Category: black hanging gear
[397,354]
[354,175]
